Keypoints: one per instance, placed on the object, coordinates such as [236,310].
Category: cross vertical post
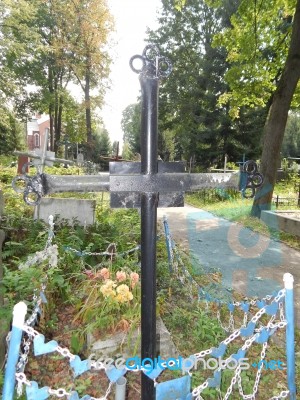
[153,67]
[149,202]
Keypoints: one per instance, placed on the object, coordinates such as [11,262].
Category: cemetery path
[250,263]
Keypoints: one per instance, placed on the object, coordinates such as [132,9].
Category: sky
[132,17]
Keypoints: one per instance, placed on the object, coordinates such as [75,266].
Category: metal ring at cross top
[31,196]
[254,179]
[150,63]
[16,183]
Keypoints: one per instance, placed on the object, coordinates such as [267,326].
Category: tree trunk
[276,121]
[88,117]
[50,86]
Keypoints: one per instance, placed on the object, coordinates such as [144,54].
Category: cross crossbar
[128,184]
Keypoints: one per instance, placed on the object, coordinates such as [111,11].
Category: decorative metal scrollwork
[150,64]
[254,179]
[33,189]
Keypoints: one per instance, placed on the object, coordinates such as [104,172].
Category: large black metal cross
[147,184]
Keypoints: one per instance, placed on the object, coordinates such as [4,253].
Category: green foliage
[255,52]
[11,131]
[291,141]
[118,293]
[46,46]
[192,125]
[131,126]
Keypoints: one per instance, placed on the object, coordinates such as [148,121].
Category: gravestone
[82,211]
[129,344]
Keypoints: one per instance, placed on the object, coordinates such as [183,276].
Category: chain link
[23,360]
[281,311]
[21,377]
[245,320]
[103,253]
[230,326]
[30,331]
[202,353]
[233,382]
[65,352]
[59,392]
[282,395]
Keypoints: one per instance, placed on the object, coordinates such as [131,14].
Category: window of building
[36,139]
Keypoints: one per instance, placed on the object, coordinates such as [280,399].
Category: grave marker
[148,185]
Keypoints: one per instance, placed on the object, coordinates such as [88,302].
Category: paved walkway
[250,263]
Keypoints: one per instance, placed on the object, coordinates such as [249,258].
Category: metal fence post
[290,333]
[19,314]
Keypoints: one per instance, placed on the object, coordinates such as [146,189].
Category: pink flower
[104,273]
[134,277]
[121,276]
[89,274]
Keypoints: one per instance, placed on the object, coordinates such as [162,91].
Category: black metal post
[149,202]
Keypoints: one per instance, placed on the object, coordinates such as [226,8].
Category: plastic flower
[121,276]
[104,273]
[134,277]
[123,294]
[108,289]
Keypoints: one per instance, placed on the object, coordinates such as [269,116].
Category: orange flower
[121,276]
[104,273]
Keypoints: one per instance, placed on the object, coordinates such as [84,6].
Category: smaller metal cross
[33,191]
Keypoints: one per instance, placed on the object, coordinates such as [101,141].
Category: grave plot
[244,331]
[147,185]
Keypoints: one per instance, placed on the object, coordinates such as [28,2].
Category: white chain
[24,357]
[202,353]
[30,331]
[198,390]
[233,382]
[245,320]
[60,392]
[230,327]
[103,253]
[21,377]
[65,352]
[282,395]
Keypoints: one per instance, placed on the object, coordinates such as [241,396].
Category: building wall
[36,131]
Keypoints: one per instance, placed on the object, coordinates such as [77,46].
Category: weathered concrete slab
[81,210]
[287,221]
[128,345]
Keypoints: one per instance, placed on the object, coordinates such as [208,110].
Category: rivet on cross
[148,185]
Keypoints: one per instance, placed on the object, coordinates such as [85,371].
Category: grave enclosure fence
[278,307]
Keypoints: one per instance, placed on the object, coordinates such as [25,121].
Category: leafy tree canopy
[257,44]
[189,109]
